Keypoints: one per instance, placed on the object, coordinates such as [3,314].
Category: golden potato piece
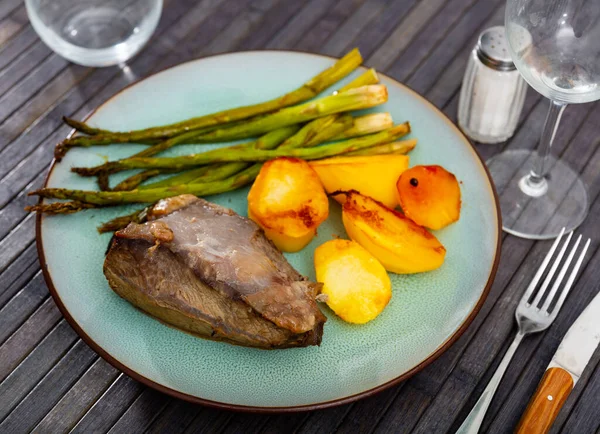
[397,242]
[356,284]
[373,175]
[429,196]
[288,201]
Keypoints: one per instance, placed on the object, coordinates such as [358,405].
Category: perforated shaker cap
[492,49]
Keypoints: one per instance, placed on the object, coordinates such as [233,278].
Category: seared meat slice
[209,271]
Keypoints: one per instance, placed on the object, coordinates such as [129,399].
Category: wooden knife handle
[547,401]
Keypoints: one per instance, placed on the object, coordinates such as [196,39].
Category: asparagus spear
[60,207]
[400,147]
[306,136]
[120,222]
[308,90]
[362,97]
[267,141]
[367,78]
[135,180]
[367,124]
[151,195]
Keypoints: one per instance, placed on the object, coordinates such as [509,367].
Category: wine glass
[94,32]
[555,45]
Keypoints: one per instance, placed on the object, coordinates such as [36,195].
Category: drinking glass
[94,32]
[555,45]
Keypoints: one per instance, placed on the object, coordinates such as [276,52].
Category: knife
[567,365]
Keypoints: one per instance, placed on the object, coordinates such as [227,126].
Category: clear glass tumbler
[94,32]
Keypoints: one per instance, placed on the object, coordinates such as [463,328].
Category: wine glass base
[564,203]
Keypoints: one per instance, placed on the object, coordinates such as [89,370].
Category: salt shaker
[493,91]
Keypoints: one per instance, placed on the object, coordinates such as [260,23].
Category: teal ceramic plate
[426,314]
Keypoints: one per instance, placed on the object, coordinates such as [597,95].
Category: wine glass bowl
[556,49]
[555,45]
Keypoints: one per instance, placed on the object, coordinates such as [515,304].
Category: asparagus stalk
[250,154]
[400,147]
[308,90]
[60,207]
[353,99]
[106,198]
[307,136]
[362,97]
[367,78]
[200,189]
[367,124]
[134,181]
[267,141]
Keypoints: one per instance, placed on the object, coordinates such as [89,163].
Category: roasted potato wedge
[374,175]
[397,242]
[429,196]
[356,285]
[287,200]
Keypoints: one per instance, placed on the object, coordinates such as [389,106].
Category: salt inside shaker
[493,91]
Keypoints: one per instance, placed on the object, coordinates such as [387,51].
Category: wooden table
[51,381]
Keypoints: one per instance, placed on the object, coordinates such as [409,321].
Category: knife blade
[563,372]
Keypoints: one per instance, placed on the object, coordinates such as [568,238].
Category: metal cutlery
[532,316]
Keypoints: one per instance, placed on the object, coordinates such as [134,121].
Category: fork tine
[571,279]
[540,271]
[561,275]
[553,269]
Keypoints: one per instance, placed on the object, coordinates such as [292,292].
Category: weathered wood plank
[381,27]
[240,27]
[16,242]
[301,24]
[110,406]
[350,30]
[245,422]
[459,40]
[274,20]
[14,211]
[367,412]
[23,304]
[421,46]
[92,384]
[284,423]
[45,99]
[389,50]
[32,83]
[17,46]
[175,417]
[24,340]
[19,68]
[18,274]
[322,421]
[197,40]
[8,6]
[49,390]
[24,378]
[584,417]
[11,25]
[141,413]
[314,39]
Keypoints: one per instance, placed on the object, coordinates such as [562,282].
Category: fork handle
[551,394]
[475,418]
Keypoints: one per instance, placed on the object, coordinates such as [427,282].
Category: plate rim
[286,409]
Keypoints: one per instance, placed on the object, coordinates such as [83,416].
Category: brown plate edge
[308,407]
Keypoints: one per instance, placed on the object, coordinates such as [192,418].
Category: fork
[532,317]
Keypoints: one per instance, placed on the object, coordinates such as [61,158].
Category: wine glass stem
[535,184]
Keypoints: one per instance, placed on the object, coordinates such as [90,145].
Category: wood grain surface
[51,382]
